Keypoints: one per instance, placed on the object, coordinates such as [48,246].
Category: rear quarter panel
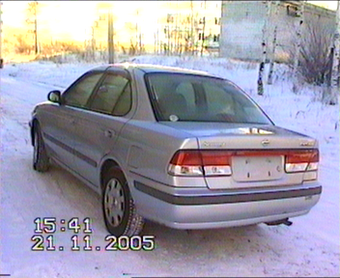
[144,147]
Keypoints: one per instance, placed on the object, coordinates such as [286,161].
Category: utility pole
[336,56]
[1,59]
[138,34]
[32,19]
[264,49]
[36,45]
[93,42]
[300,15]
[110,44]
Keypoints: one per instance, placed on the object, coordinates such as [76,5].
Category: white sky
[75,17]
[69,18]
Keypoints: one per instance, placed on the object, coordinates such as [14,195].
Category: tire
[40,158]
[118,207]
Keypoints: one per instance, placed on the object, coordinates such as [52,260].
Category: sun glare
[73,19]
[137,25]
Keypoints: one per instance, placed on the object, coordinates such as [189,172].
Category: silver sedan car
[179,147]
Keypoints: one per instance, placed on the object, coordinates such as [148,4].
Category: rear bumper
[203,208]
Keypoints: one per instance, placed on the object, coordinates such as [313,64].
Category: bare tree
[272,56]
[264,49]
[192,40]
[203,29]
[314,62]
[136,36]
[335,76]
[300,20]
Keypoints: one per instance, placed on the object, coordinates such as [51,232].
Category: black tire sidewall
[122,227]
[40,161]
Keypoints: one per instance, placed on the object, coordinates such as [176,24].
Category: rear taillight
[199,163]
[186,163]
[218,162]
[301,160]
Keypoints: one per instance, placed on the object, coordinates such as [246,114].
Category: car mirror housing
[54,96]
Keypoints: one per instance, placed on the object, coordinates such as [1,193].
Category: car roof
[147,68]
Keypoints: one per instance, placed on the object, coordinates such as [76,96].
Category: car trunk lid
[257,153]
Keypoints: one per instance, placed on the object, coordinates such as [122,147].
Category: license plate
[266,168]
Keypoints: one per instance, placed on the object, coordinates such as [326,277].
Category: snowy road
[310,247]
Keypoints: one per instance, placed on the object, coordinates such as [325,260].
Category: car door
[98,128]
[60,131]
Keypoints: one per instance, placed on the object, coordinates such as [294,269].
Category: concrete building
[242,26]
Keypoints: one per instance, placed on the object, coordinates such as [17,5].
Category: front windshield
[187,97]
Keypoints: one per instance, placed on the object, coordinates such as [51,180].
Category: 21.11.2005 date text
[85,243]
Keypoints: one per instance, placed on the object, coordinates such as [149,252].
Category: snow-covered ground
[310,247]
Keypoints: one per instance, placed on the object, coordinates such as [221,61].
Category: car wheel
[40,157]
[118,207]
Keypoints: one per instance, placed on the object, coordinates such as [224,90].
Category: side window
[79,94]
[113,96]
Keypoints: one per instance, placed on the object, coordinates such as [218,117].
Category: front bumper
[204,208]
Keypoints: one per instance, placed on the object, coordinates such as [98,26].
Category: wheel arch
[106,166]
[130,223]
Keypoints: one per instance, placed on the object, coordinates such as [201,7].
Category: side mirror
[54,96]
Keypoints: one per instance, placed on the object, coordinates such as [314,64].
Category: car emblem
[265,142]
[307,143]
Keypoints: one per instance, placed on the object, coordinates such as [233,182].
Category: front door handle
[109,133]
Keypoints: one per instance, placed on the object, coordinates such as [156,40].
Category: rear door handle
[109,133]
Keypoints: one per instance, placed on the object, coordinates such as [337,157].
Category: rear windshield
[187,97]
